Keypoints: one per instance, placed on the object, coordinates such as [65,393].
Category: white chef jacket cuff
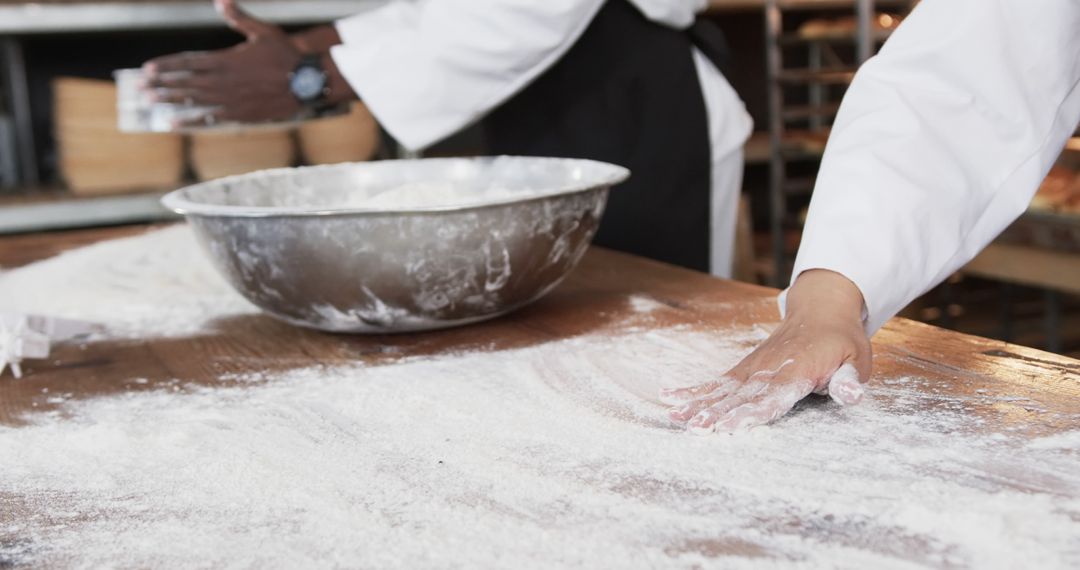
[371,24]
[368,39]
[390,97]
[781,301]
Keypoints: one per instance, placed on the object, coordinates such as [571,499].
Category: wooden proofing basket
[217,153]
[353,137]
[95,157]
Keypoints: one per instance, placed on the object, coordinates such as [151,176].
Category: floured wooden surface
[214,436]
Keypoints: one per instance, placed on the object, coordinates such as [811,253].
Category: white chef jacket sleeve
[428,69]
[940,143]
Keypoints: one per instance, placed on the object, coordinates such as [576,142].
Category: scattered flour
[555,455]
[157,284]
[1067,441]
[645,304]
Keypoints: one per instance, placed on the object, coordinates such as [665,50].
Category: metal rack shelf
[798,186]
[794,5]
[36,18]
[55,209]
[52,209]
[42,18]
[837,38]
[798,112]
[824,75]
[19,20]
[802,100]
[795,145]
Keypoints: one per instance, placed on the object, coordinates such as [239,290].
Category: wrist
[822,294]
[338,89]
[301,43]
[315,40]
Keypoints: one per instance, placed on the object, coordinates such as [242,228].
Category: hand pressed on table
[820,347]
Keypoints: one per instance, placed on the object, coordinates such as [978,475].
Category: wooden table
[593,296]
[1045,388]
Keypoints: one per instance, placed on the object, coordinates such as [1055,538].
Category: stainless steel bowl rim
[177,202]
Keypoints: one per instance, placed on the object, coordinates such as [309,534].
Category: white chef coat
[940,143]
[428,68]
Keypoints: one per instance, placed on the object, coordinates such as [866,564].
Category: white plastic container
[136,111]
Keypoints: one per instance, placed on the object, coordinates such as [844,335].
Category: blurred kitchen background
[63,163]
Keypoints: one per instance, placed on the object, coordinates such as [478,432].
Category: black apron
[627,92]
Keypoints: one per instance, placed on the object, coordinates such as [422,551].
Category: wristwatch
[308,83]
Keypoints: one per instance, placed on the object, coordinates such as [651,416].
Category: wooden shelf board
[52,209]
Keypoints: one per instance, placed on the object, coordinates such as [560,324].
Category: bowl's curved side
[393,273]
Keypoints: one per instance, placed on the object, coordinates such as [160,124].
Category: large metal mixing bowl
[307,246]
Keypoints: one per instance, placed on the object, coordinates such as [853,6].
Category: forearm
[338,89]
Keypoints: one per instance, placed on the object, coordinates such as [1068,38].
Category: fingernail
[729,423]
[704,419]
[847,394]
[679,413]
[673,395]
[700,430]
[844,386]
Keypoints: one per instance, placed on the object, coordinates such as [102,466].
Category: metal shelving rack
[18,163]
[825,70]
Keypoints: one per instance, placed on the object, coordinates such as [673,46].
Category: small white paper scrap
[31,336]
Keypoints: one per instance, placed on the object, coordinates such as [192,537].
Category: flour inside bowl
[420,195]
[397,185]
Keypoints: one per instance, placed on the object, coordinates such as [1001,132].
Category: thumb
[844,385]
[239,20]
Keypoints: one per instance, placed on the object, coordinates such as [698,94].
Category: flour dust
[555,455]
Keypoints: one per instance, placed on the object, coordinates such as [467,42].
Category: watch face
[307,83]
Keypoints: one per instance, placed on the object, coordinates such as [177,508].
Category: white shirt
[428,68]
[941,142]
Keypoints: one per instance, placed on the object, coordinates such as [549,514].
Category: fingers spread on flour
[773,403]
[690,409]
[678,396]
[705,420]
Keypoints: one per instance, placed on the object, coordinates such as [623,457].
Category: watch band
[311,60]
